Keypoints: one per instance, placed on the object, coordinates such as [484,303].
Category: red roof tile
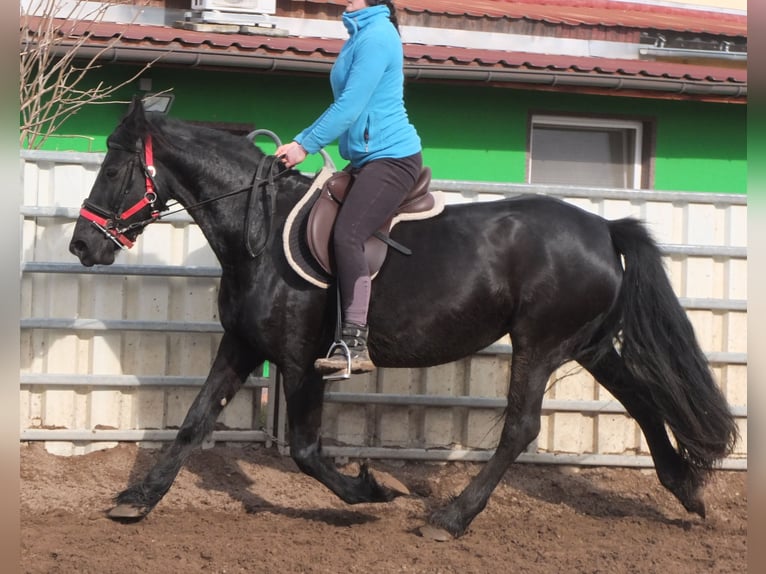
[585,12]
[447,59]
[329,48]
[605,66]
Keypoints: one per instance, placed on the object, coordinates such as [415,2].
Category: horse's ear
[134,121]
[135,109]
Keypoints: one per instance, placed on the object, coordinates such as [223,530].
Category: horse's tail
[660,350]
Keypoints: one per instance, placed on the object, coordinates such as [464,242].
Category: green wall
[469,132]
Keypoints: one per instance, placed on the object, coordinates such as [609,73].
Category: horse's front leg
[233,364]
[305,396]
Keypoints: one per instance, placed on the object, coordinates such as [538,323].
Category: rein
[270,198]
[115,224]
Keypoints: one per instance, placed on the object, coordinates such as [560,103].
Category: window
[585,151]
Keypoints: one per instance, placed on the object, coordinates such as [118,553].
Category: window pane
[580,155]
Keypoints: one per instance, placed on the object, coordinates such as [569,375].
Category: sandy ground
[250,510]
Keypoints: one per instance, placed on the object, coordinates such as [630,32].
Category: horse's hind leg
[304,396]
[676,474]
[529,376]
[232,365]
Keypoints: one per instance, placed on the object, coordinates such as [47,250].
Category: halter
[115,225]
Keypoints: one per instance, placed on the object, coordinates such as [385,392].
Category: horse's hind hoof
[696,505]
[691,496]
[431,532]
[127,513]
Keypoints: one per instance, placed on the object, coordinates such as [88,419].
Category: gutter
[203,58]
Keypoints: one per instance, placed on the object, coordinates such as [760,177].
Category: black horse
[548,273]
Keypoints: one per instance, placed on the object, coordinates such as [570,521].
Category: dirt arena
[236,510]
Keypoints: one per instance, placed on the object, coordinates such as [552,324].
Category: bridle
[115,226]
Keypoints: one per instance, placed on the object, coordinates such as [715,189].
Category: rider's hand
[291,154]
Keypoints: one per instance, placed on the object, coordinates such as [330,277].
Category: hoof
[691,496]
[127,513]
[696,505]
[389,482]
[434,533]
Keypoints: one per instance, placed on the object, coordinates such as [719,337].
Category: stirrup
[341,374]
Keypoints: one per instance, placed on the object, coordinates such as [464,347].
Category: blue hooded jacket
[367,117]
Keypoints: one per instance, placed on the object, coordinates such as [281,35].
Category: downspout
[200,58]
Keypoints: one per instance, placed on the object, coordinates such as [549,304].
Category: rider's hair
[391,9]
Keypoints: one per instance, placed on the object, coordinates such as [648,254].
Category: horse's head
[123,198]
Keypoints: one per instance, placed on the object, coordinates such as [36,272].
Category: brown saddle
[325,209]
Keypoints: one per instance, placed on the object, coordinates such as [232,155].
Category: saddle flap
[322,218]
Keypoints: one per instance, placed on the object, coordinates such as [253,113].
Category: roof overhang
[166,46]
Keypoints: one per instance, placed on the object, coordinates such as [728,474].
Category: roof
[320,48]
[708,80]
[613,76]
[585,12]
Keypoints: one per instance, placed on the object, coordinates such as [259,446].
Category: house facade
[604,93]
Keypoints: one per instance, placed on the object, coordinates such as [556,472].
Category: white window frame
[589,122]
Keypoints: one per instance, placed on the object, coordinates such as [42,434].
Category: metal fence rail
[368,405]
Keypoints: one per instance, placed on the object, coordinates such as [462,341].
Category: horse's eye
[111,172]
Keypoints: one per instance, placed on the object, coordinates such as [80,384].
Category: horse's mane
[178,134]
[199,153]
[185,135]
[204,151]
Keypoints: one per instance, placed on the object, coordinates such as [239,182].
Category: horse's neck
[223,220]
[202,190]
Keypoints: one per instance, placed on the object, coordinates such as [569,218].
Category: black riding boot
[355,338]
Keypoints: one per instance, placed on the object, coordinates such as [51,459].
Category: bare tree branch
[54,65]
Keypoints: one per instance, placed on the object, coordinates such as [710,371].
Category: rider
[369,120]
